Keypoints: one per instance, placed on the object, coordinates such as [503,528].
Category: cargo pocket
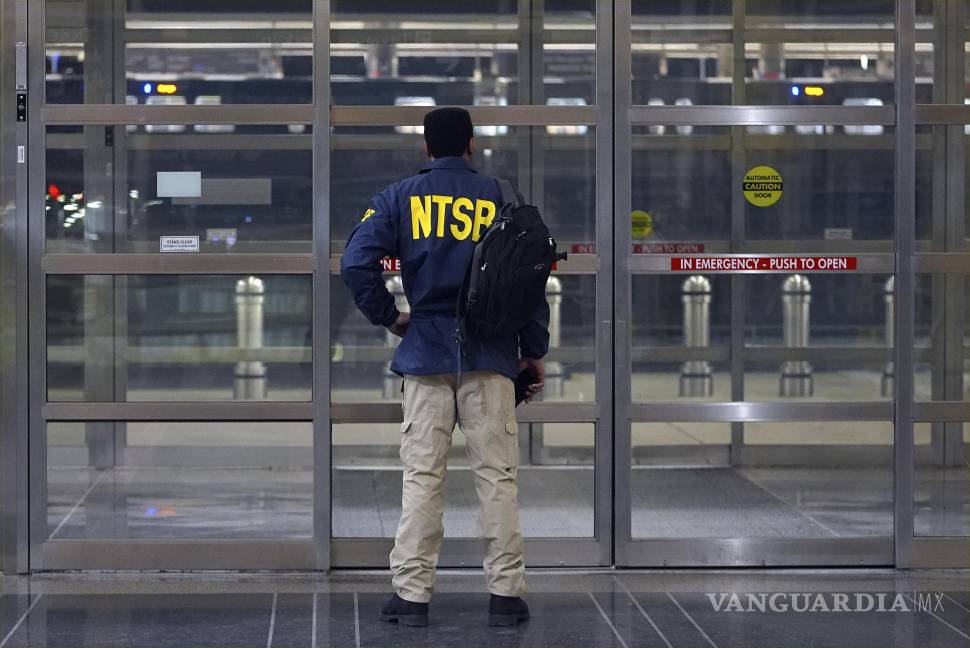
[512,434]
[406,443]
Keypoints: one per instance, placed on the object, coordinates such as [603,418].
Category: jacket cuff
[529,351]
[391,318]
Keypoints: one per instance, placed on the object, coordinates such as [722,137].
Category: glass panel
[942,211]
[942,337]
[184,338]
[179,481]
[842,326]
[467,54]
[669,164]
[365,160]
[361,353]
[563,187]
[939,78]
[555,482]
[681,52]
[670,362]
[835,183]
[928,35]
[941,499]
[794,53]
[236,188]
[796,480]
[681,338]
[180,52]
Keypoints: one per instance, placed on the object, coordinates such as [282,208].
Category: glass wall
[179,481]
[238,188]
[181,53]
[759,337]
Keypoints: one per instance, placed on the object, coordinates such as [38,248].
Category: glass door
[173,292]
[754,235]
[535,77]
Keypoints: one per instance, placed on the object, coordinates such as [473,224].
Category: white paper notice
[178,244]
[179,184]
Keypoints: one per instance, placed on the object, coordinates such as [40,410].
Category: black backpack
[505,283]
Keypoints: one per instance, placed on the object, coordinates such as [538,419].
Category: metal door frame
[47,554]
[14,474]
[546,551]
[901,549]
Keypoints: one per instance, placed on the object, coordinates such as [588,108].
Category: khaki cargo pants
[485,408]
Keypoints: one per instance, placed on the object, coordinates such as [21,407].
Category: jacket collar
[455,162]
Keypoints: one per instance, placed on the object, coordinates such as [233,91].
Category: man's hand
[538,368]
[400,325]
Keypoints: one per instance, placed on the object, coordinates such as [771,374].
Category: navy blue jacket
[431,222]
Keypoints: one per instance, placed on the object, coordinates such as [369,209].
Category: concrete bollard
[796,297]
[250,377]
[889,373]
[392,382]
[555,382]
[696,377]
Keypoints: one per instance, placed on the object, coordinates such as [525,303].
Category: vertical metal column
[250,375]
[99,290]
[956,169]
[737,234]
[555,383]
[613,221]
[888,374]
[14,324]
[612,22]
[905,96]
[796,300]
[529,66]
[34,281]
[322,433]
[696,378]
[392,382]
[117,207]
[941,82]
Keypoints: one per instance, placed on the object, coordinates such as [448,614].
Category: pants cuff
[411,597]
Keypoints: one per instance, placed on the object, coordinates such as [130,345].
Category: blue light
[151,511]
[147,88]
[795,91]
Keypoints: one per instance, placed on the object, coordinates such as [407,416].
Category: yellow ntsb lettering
[462,217]
[484,213]
[420,217]
[469,217]
[442,202]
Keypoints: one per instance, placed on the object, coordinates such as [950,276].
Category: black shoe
[506,610]
[406,613]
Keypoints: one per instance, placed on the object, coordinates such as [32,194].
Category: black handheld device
[522,382]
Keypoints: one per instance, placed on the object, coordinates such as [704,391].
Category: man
[431,222]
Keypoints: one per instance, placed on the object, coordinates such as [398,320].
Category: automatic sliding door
[759,293]
[529,73]
[557,437]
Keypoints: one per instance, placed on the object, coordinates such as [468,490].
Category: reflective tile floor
[556,501]
[666,609]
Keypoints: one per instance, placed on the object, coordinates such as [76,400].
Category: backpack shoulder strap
[510,195]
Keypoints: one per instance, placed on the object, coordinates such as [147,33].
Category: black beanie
[447,131]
